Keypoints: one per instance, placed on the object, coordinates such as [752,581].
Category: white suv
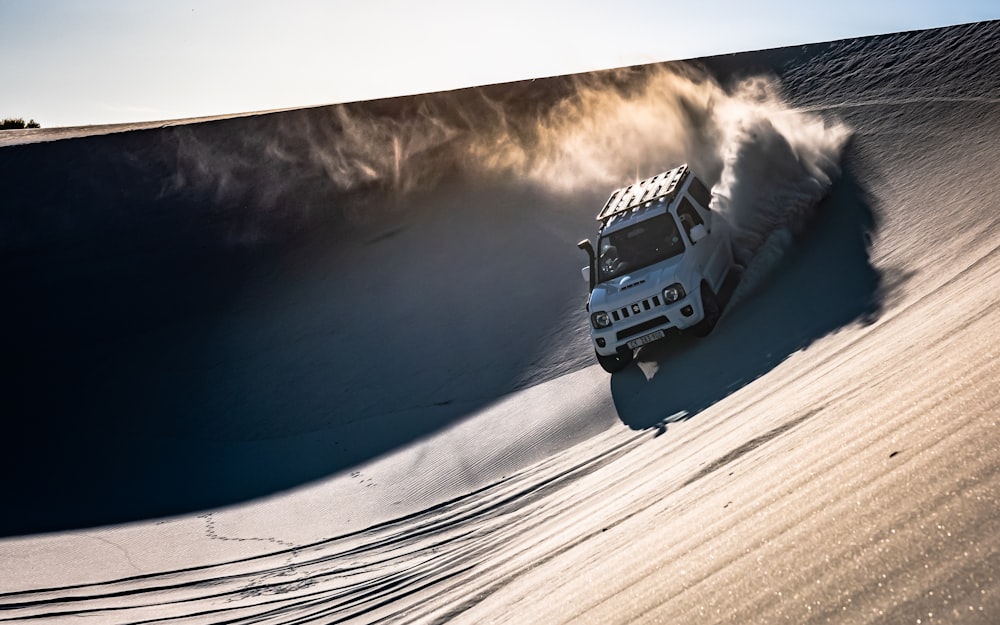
[662,257]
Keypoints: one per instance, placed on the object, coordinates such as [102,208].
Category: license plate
[649,338]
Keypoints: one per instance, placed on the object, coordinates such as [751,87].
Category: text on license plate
[642,340]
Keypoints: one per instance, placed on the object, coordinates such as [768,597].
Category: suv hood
[636,284]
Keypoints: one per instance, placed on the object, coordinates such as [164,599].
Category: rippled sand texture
[332,365]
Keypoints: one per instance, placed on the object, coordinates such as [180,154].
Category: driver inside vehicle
[687,222]
[610,261]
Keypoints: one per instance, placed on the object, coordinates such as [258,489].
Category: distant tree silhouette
[10,123]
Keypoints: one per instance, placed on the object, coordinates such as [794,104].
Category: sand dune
[332,365]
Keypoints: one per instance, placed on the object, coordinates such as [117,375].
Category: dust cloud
[769,164]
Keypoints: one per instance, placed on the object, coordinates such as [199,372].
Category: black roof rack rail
[664,184]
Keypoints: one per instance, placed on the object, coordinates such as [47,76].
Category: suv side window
[688,216]
[700,193]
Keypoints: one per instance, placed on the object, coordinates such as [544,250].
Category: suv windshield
[638,246]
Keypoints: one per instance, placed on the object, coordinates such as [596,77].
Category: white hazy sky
[67,62]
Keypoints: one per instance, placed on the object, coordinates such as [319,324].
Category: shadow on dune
[825,282]
[177,348]
[162,362]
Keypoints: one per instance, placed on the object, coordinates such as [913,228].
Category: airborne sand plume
[770,163]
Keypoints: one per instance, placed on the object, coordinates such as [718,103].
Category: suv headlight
[673,293]
[600,320]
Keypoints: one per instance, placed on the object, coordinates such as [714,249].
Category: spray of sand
[769,164]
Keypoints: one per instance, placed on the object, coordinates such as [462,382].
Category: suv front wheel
[710,304]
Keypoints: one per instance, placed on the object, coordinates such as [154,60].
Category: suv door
[711,252]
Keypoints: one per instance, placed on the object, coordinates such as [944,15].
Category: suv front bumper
[646,320]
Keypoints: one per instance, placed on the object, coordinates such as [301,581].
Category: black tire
[710,304]
[617,362]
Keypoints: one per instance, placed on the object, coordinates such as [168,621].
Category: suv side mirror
[591,271]
[698,233]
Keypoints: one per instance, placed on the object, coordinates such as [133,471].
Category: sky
[69,63]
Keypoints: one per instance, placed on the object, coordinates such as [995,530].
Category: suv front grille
[634,309]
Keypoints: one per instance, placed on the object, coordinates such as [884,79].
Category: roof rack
[664,184]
